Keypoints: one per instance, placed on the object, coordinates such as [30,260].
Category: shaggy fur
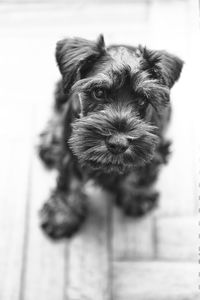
[111,110]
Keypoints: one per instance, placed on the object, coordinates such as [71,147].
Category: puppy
[111,110]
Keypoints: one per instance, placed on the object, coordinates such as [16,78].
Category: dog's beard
[89,134]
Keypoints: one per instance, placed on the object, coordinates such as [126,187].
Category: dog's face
[118,95]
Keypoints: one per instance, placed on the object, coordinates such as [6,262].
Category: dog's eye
[99,93]
[142,102]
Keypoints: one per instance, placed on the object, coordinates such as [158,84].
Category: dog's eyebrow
[143,84]
[89,83]
[141,81]
[156,93]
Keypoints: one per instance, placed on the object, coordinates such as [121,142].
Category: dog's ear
[75,57]
[163,66]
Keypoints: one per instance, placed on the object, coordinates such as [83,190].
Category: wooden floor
[113,257]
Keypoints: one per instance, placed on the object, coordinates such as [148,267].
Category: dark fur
[117,138]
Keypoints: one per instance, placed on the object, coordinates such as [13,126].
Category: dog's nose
[117,144]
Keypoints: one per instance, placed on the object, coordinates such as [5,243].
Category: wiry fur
[117,139]
[90,132]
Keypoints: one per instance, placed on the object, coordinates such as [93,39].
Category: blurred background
[112,257]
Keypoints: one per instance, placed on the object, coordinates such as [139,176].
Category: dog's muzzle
[113,140]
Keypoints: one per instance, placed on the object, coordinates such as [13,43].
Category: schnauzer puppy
[110,114]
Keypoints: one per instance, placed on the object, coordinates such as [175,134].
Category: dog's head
[118,95]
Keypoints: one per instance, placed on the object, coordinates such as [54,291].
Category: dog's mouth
[95,154]
[110,167]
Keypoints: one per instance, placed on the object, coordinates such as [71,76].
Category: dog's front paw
[138,204]
[61,216]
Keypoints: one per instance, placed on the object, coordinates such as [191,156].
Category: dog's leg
[137,201]
[50,145]
[136,194]
[50,148]
[63,214]
[66,209]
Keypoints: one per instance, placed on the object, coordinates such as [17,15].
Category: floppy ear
[75,56]
[163,66]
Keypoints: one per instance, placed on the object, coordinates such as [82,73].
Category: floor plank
[155,281]
[89,253]
[177,238]
[45,264]
[133,239]
[14,177]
